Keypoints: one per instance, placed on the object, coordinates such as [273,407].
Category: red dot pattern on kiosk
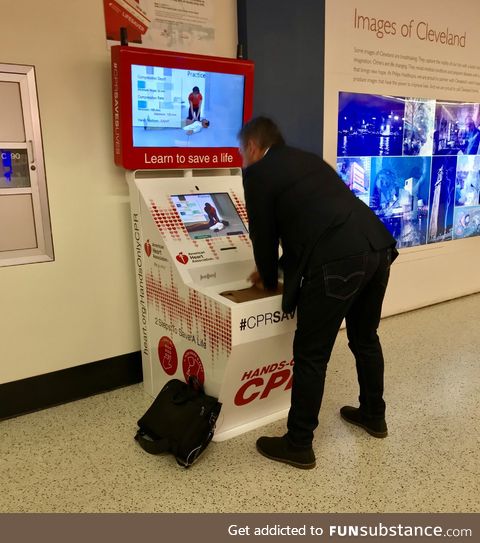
[167,220]
[212,248]
[240,207]
[212,321]
[242,212]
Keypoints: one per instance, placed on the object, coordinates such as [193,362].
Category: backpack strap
[189,392]
[151,446]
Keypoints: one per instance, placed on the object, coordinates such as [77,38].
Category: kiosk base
[249,426]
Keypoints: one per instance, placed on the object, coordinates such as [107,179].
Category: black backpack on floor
[181,421]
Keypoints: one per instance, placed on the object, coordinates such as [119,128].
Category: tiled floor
[81,457]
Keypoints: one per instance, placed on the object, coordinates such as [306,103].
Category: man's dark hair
[263,131]
[195,89]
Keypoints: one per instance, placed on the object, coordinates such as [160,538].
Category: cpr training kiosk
[176,119]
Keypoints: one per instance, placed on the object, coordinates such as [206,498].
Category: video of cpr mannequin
[209,215]
[182,108]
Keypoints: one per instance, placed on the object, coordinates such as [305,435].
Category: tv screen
[208,216]
[177,110]
[180,108]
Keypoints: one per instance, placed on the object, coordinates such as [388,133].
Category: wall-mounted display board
[402,127]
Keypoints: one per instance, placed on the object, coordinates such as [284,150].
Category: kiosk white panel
[192,250]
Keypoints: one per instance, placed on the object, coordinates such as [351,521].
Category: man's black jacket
[295,197]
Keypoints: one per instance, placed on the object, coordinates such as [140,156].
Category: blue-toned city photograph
[355,173]
[457,129]
[418,127]
[466,222]
[370,125]
[400,188]
[467,183]
[442,198]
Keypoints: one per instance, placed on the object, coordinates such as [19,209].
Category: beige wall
[82,307]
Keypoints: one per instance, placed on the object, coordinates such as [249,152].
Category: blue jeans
[352,288]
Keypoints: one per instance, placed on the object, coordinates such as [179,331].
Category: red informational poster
[187,26]
[125,14]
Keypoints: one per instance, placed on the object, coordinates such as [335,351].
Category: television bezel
[141,158]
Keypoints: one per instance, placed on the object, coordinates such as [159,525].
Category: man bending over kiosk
[336,264]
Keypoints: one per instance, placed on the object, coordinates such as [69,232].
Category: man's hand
[256,280]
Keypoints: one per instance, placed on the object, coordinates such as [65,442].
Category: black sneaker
[375,427]
[281,450]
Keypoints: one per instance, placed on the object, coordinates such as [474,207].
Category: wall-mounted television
[174,110]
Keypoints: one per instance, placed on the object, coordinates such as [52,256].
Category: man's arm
[262,227]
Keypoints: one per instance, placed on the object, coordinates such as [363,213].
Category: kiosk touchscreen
[175,122]
[209,215]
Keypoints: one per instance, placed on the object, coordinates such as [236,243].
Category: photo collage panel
[415,162]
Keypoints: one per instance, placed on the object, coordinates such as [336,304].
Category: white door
[25,232]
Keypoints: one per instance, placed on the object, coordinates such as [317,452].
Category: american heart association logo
[183,259]
[148,247]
